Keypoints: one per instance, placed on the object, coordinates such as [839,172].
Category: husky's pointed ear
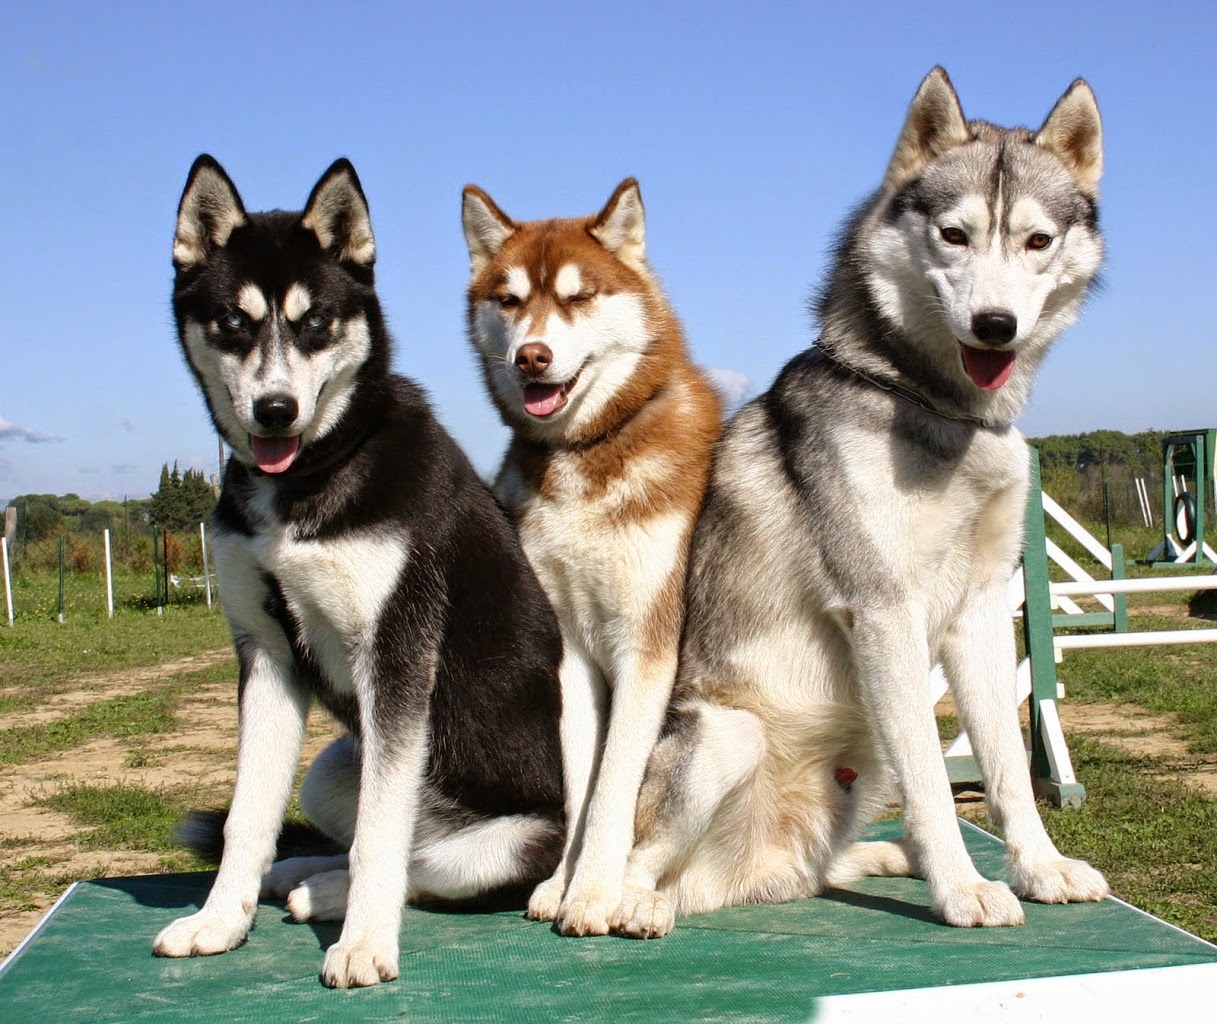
[621,226]
[1074,132]
[934,124]
[209,212]
[486,226]
[337,213]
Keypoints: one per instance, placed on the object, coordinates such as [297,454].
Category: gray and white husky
[863,520]
[362,565]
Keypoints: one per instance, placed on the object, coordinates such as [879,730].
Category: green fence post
[156,570]
[1119,572]
[1037,632]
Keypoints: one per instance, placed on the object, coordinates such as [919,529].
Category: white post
[8,583]
[109,577]
[206,572]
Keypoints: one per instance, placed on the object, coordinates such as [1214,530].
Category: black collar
[899,390]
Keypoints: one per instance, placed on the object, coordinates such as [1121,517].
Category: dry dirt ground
[202,754]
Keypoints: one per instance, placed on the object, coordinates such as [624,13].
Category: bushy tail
[202,832]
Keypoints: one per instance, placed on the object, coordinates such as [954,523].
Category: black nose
[995,327]
[275,412]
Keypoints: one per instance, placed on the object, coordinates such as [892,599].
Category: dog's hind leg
[489,854]
[979,659]
[894,859]
[707,754]
[329,797]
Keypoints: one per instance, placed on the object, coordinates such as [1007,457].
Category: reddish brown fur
[666,408]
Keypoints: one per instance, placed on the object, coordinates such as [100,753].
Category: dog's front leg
[582,736]
[891,655]
[394,761]
[639,699]
[272,712]
[979,659]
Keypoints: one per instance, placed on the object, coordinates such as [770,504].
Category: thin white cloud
[732,386]
[10,431]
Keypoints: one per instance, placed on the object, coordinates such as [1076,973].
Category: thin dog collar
[900,391]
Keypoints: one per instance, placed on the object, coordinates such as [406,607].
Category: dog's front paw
[586,912]
[203,934]
[359,964]
[980,905]
[545,900]
[1059,880]
[322,897]
[643,914]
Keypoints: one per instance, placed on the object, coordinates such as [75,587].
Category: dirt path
[40,848]
[87,689]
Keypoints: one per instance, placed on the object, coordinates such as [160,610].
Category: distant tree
[199,497]
[180,502]
[38,516]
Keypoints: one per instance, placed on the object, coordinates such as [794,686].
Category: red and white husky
[614,430]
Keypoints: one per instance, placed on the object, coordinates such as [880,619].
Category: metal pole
[206,572]
[109,577]
[61,577]
[165,565]
[8,583]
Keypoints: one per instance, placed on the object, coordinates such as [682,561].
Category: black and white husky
[863,520]
[362,564]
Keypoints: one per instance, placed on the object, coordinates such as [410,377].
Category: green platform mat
[91,959]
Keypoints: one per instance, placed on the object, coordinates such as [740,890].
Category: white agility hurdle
[1045,606]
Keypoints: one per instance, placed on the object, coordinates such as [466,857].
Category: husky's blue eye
[233,321]
[316,321]
[953,236]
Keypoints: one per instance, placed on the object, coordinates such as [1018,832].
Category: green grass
[1176,680]
[23,880]
[129,717]
[138,714]
[41,656]
[36,594]
[123,817]
[1155,839]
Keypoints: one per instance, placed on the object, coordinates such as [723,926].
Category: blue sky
[752,129]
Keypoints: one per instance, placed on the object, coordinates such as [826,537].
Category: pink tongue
[988,368]
[542,399]
[274,454]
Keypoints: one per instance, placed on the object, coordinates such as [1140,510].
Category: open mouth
[274,454]
[987,368]
[542,400]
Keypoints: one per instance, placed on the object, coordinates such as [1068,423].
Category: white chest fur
[335,588]
[602,571]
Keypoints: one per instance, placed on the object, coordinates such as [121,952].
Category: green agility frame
[1190,455]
